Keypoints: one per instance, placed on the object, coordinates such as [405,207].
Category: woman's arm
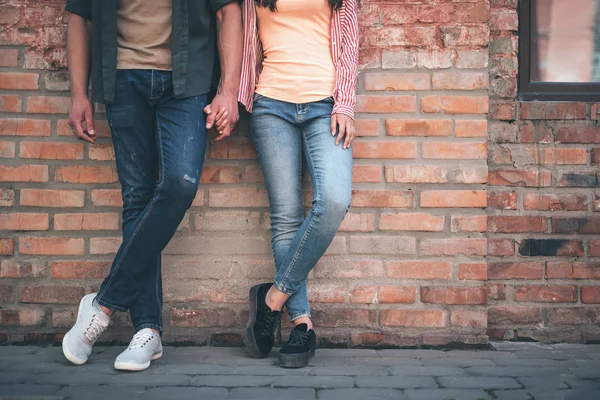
[348,63]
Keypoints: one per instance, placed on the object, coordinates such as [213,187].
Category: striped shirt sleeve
[347,72]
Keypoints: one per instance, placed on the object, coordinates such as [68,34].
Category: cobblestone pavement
[515,371]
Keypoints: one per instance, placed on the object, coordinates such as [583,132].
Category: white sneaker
[91,322]
[144,347]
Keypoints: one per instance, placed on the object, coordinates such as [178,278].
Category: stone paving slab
[512,371]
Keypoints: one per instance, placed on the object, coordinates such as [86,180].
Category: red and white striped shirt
[344,51]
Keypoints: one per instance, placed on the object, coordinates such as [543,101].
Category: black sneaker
[299,348]
[260,331]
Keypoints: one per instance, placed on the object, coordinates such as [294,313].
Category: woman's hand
[343,126]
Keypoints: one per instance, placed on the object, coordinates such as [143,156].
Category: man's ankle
[107,311]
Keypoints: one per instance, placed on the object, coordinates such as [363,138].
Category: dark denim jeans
[283,133]
[159,142]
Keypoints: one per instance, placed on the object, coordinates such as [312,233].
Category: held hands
[81,112]
[343,126]
[223,114]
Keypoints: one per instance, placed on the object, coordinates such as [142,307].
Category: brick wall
[408,267]
[544,251]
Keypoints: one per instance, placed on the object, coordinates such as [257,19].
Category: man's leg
[131,119]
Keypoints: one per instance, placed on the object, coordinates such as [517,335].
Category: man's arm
[230,42]
[79,61]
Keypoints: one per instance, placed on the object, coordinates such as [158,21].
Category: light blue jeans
[282,132]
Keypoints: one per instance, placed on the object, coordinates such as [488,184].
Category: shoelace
[270,322]
[298,338]
[140,339]
[94,329]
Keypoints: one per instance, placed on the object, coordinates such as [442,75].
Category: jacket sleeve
[218,4]
[83,8]
[348,64]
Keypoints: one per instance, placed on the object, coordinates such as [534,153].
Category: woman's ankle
[303,320]
[276,299]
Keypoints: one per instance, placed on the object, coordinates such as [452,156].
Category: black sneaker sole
[299,360]
[249,338]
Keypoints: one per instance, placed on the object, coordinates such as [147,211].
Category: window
[559,56]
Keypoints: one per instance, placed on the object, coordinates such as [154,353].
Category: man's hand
[223,114]
[81,112]
[343,126]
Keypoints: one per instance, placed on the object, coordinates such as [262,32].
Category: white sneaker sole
[129,366]
[68,355]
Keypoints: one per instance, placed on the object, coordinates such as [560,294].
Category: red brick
[515,270]
[470,128]
[11,103]
[24,173]
[514,224]
[414,318]
[583,225]
[7,149]
[382,198]
[367,127]
[201,318]
[102,152]
[514,315]
[416,174]
[7,246]
[471,174]
[572,270]
[19,80]
[537,133]
[348,269]
[590,294]
[434,59]
[24,222]
[471,59]
[455,150]
[454,247]
[23,317]
[396,150]
[596,156]
[24,127]
[340,318]
[473,271]
[364,295]
[411,222]
[468,318]
[578,134]
[51,294]
[104,245]
[555,202]
[468,223]
[501,247]
[238,197]
[574,316]
[454,198]
[389,245]
[396,81]
[453,295]
[502,200]
[6,294]
[418,127]
[7,197]
[221,174]
[107,198]
[552,110]
[460,80]
[454,104]
[80,269]
[52,151]
[233,149]
[320,294]
[22,269]
[52,198]
[465,35]
[472,13]
[386,104]
[86,222]
[366,173]
[85,174]
[354,222]
[546,293]
[503,110]
[419,269]
[48,105]
[396,294]
[387,36]
[9,58]
[595,248]
[527,178]
[51,246]
[556,156]
[101,126]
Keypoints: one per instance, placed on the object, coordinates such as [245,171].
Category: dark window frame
[529,89]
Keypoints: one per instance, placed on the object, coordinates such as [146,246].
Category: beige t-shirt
[296,39]
[144,34]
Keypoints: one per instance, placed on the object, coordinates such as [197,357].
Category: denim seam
[159,186]
[301,315]
[304,237]
[148,325]
[150,207]
[110,306]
